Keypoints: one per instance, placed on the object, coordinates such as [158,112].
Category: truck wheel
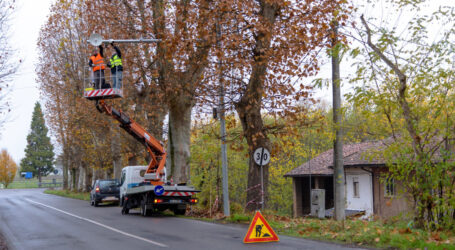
[145,212]
[125,208]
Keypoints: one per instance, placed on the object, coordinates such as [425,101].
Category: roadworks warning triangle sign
[260,231]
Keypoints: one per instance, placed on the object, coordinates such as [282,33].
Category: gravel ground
[3,243]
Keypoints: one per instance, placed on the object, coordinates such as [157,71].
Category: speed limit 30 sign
[261,156]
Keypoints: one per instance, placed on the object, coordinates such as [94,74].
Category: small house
[366,189]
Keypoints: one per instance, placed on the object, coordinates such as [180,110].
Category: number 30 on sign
[261,153]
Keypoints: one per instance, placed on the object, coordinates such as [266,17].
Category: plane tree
[268,48]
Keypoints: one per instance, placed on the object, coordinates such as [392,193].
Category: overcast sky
[30,15]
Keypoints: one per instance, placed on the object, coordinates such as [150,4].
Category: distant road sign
[261,153]
[159,190]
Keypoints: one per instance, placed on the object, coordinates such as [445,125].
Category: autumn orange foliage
[8,168]
[259,50]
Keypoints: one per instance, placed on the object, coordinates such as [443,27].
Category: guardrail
[50,184]
[34,183]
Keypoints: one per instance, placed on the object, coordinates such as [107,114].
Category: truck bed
[148,188]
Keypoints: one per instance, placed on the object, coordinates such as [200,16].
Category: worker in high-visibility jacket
[115,63]
[98,66]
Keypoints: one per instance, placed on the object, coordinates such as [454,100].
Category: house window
[389,187]
[355,185]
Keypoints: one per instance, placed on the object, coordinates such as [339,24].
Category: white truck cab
[131,177]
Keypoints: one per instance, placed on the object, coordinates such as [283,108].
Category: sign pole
[262,180]
[262,158]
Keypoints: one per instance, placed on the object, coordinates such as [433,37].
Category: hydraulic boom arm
[155,170]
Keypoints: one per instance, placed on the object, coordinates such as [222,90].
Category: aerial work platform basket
[96,88]
[100,86]
[95,94]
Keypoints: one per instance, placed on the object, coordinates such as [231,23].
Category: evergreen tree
[39,154]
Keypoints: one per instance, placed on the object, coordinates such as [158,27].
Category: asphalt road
[30,219]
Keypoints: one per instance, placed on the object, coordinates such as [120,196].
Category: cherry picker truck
[154,192]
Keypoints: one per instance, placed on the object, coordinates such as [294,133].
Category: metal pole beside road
[224,164]
[262,157]
[262,180]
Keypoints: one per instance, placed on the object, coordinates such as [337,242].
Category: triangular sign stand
[260,231]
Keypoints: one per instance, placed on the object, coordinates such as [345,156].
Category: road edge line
[99,224]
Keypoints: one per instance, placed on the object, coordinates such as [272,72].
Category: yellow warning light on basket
[88,89]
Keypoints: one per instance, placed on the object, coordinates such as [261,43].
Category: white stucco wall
[364,201]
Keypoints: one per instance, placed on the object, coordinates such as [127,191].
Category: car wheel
[95,203]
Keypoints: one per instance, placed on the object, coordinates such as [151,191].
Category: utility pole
[338,170]
[224,165]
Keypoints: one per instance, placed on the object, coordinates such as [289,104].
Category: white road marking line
[100,224]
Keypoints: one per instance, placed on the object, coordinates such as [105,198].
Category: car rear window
[109,183]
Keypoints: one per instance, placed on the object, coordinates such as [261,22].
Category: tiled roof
[353,155]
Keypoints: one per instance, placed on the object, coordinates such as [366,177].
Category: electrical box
[318,203]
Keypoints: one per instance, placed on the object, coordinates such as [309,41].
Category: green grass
[378,234]
[239,218]
[367,233]
[23,184]
[30,183]
[74,195]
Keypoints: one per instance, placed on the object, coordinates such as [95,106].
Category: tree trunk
[80,179]
[74,176]
[170,154]
[97,174]
[39,176]
[256,137]
[180,132]
[132,160]
[249,106]
[65,163]
[87,180]
[116,148]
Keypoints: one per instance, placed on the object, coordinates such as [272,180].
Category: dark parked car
[104,191]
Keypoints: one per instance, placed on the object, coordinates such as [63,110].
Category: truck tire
[145,211]
[125,209]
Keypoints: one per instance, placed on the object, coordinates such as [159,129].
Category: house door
[359,192]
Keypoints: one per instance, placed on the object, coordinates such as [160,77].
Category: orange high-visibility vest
[98,61]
